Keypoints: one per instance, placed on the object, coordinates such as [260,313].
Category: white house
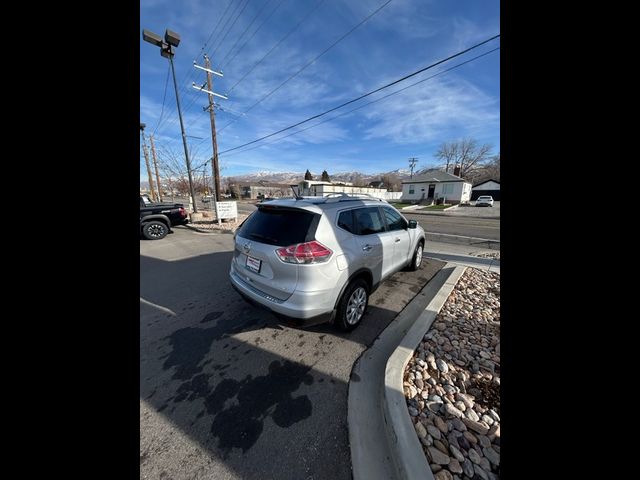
[488,187]
[436,184]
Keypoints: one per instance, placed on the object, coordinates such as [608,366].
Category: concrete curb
[371,456]
[450,238]
[406,451]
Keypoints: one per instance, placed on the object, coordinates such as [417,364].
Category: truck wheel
[352,305]
[155,230]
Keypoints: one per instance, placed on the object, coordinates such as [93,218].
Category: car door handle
[397,240]
[366,248]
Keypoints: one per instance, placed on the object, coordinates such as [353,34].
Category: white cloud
[430,111]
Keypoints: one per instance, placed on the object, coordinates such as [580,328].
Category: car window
[345,221]
[279,226]
[368,220]
[394,220]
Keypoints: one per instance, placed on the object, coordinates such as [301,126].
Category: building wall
[488,186]
[321,190]
[453,192]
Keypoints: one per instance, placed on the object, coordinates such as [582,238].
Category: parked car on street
[157,218]
[484,201]
[318,259]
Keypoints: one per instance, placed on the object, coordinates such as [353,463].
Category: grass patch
[400,205]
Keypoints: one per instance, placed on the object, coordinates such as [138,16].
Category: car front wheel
[416,261]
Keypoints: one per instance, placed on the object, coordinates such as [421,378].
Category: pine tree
[325,176]
[307,175]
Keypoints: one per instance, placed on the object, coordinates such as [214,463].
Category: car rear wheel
[155,230]
[353,305]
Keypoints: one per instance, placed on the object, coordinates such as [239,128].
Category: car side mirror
[413,223]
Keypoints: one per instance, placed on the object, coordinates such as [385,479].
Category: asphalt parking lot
[229,392]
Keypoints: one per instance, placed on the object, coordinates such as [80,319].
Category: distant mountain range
[294,177]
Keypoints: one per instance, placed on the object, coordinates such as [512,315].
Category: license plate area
[253,264]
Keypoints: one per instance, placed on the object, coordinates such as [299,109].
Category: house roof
[486,181]
[434,176]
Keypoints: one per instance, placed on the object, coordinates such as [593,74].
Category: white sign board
[227,209]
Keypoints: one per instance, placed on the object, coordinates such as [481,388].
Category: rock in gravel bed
[420,430]
[437,456]
[452,383]
[443,475]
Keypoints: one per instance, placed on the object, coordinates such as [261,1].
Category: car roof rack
[345,197]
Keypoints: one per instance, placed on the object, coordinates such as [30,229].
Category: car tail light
[309,252]
[182,212]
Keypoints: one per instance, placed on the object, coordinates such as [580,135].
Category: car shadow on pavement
[229,391]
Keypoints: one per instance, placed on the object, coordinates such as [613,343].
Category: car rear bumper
[303,308]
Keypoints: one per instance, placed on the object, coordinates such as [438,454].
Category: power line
[193,99]
[245,31]
[188,75]
[278,43]
[368,103]
[231,27]
[164,97]
[366,94]
[188,107]
[216,27]
[311,62]
[254,33]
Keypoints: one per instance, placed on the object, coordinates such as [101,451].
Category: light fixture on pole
[167,50]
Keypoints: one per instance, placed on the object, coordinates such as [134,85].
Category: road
[488,228]
[229,392]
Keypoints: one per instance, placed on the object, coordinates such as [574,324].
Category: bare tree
[448,154]
[466,153]
[490,171]
[234,187]
[392,182]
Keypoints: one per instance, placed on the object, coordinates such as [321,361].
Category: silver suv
[318,259]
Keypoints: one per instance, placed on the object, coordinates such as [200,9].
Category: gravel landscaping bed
[212,225]
[452,383]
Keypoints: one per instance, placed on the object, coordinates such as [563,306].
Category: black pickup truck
[157,218]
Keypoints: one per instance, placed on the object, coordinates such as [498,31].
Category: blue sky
[404,36]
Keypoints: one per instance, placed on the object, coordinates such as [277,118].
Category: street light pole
[184,136]
[171,40]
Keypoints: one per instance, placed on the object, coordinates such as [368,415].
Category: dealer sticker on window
[254,264]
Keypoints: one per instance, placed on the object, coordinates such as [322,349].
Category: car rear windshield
[280,226]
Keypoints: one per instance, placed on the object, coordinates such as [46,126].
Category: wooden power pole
[412,164]
[212,116]
[146,159]
[155,165]
[210,93]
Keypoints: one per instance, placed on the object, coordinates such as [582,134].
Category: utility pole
[412,164]
[155,165]
[212,116]
[146,160]
[210,94]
